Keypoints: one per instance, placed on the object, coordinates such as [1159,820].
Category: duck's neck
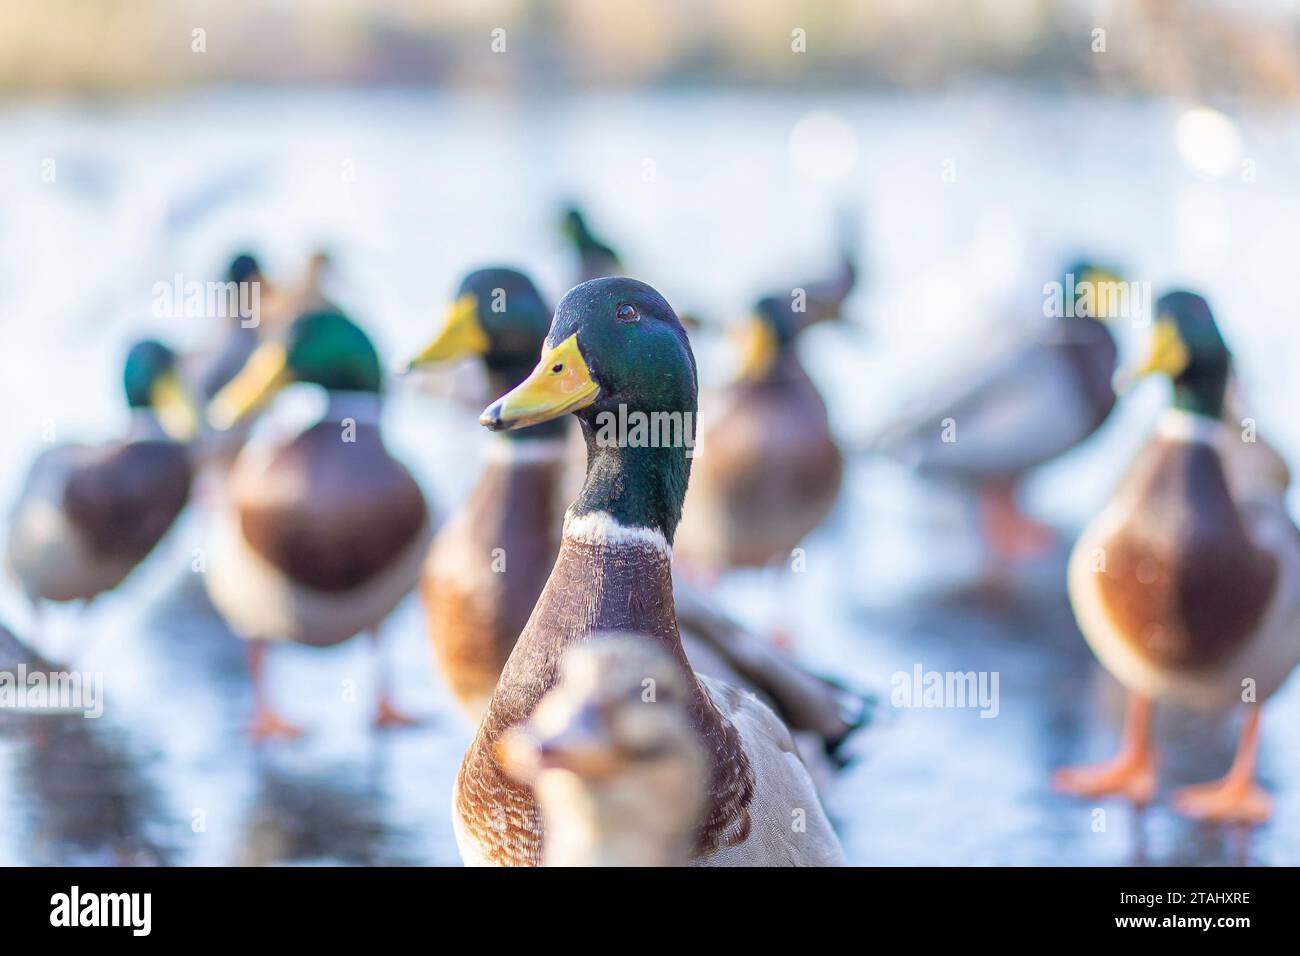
[1187,427]
[583,237]
[145,426]
[636,485]
[363,408]
[1201,395]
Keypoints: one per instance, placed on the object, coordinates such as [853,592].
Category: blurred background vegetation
[1225,48]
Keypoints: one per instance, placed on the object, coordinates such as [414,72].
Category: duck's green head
[1090,281]
[498,315]
[573,225]
[323,348]
[244,268]
[1186,346]
[613,342]
[151,382]
[618,358]
[767,334]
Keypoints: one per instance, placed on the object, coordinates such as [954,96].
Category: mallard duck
[595,258]
[1187,585]
[769,468]
[88,515]
[323,535]
[208,370]
[489,562]
[615,348]
[620,772]
[1023,403]
[214,370]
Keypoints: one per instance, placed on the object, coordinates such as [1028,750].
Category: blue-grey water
[963,202]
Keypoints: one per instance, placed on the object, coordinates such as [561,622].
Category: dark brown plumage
[1184,584]
[330,514]
[767,474]
[124,500]
[477,598]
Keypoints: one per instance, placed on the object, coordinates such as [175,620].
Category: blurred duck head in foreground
[620,773]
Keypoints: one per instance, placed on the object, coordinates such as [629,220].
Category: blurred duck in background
[311,294]
[615,342]
[620,773]
[209,371]
[1029,399]
[1187,585]
[769,468]
[490,561]
[214,370]
[88,515]
[595,258]
[322,534]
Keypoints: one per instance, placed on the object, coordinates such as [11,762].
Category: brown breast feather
[475,618]
[1183,584]
[773,465]
[593,587]
[124,501]
[332,514]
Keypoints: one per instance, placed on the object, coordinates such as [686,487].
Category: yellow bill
[758,348]
[174,408]
[462,335]
[1100,277]
[1168,354]
[264,374]
[561,383]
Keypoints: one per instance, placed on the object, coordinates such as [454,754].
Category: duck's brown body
[331,514]
[321,541]
[766,477]
[595,586]
[88,516]
[1185,586]
[489,564]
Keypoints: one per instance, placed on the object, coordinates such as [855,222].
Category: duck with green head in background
[1187,585]
[616,347]
[1025,400]
[490,560]
[322,535]
[595,258]
[90,514]
[769,467]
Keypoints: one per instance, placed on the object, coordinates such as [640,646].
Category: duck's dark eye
[628,313]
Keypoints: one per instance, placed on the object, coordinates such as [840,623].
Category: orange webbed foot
[388,717]
[268,725]
[1225,801]
[1012,534]
[1133,779]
